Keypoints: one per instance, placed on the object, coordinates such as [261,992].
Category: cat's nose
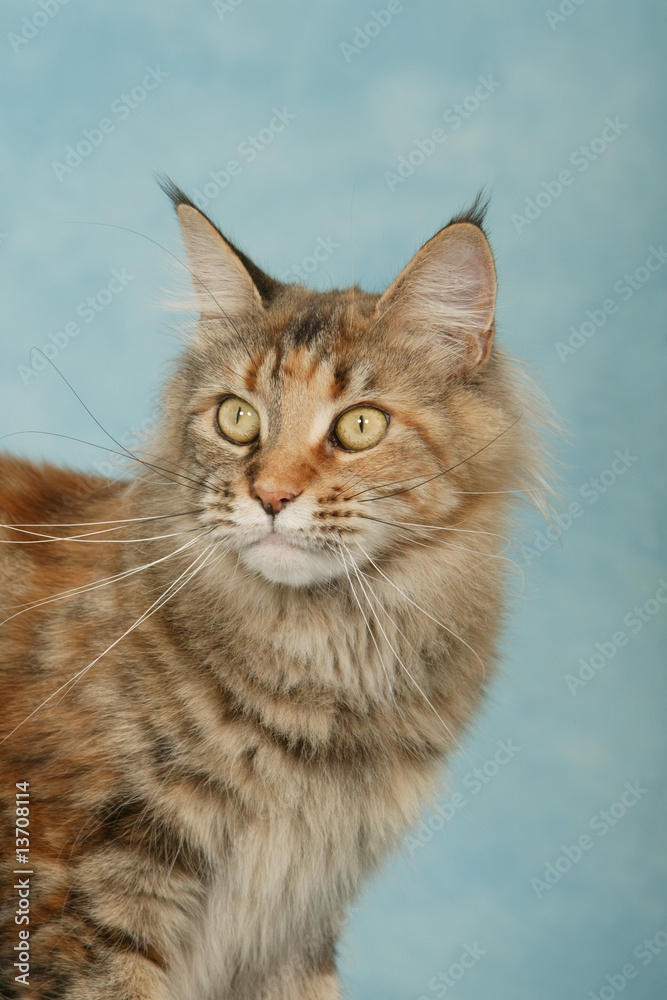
[273,499]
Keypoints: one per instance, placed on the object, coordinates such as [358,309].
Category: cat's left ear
[447,293]
[222,285]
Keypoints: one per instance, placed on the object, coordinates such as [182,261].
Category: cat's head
[334,429]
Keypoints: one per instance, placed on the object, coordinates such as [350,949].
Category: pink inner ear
[485,341]
[222,286]
[447,292]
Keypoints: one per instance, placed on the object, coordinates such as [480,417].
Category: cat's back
[42,494]
[46,549]
[40,506]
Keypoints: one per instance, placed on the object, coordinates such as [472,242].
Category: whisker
[400,631]
[436,527]
[160,602]
[396,654]
[195,277]
[484,493]
[455,741]
[112,451]
[93,585]
[83,539]
[79,535]
[451,468]
[463,548]
[84,524]
[155,606]
[167,483]
[370,630]
[377,486]
[419,608]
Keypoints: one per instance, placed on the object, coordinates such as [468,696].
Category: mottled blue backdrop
[357,130]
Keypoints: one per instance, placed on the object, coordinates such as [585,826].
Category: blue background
[554,83]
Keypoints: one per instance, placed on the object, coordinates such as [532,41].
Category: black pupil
[239,413]
[361,424]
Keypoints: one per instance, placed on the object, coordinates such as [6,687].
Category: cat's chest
[302,831]
[314,657]
[318,780]
[282,885]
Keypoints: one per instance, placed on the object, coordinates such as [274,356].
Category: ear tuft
[204,240]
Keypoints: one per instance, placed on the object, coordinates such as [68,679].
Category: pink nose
[273,500]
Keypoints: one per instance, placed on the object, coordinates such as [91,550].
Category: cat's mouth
[279,542]
[283,558]
[275,545]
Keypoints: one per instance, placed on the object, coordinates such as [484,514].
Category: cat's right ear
[447,293]
[222,285]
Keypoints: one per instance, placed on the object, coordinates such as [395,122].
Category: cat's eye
[361,427]
[238,420]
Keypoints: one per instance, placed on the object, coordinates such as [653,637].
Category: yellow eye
[238,420]
[361,427]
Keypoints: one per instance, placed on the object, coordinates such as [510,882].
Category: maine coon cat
[228,684]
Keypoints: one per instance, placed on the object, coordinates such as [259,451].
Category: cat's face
[332,430]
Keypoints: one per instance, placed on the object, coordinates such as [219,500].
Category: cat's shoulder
[33,493]
[40,504]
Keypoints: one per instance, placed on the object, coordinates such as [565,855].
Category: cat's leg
[84,940]
[120,979]
[113,895]
[132,982]
[75,963]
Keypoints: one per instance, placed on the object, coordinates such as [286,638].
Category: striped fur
[207,797]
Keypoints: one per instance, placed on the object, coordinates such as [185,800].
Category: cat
[229,683]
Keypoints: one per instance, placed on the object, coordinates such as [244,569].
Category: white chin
[280,562]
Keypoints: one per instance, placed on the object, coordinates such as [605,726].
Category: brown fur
[206,798]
